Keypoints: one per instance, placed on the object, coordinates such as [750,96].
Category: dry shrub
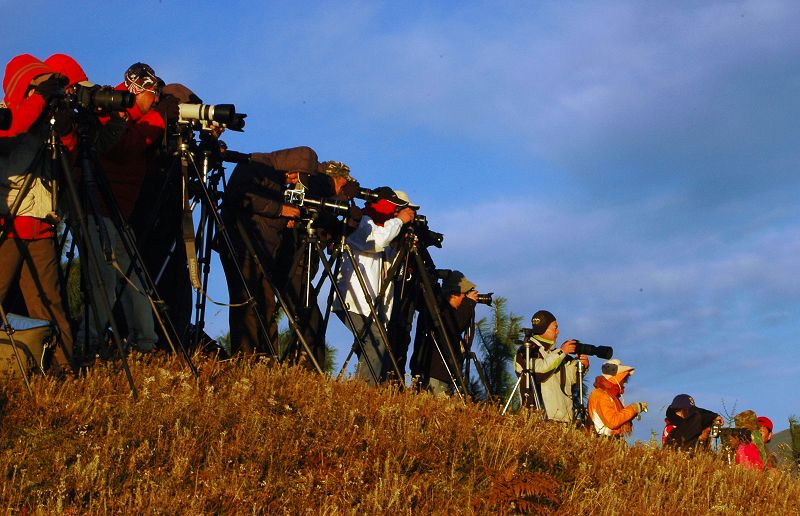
[248,437]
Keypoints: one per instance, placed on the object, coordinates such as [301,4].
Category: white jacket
[373,254]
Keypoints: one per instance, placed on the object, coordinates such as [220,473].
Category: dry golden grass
[248,438]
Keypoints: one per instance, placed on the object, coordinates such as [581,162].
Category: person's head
[338,172]
[682,404]
[68,67]
[765,427]
[23,73]
[545,325]
[455,286]
[616,372]
[141,80]
[387,205]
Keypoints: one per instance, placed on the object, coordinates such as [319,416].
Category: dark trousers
[247,335]
[39,280]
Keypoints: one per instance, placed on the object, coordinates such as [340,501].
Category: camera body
[300,199]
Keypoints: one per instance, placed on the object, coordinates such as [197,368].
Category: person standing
[606,408]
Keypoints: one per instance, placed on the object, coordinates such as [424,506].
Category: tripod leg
[86,248]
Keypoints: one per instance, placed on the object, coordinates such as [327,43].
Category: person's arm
[466,311]
[138,136]
[610,415]
[23,115]
[547,361]
[372,238]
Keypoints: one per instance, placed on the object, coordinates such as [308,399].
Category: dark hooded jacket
[688,430]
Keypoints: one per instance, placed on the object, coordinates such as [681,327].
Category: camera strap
[187,230]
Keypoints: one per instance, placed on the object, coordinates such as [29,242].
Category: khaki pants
[39,281]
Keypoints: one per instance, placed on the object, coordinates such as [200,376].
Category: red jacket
[127,162]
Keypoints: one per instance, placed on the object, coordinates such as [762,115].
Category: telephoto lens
[485,299]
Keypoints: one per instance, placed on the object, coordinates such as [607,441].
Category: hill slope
[246,437]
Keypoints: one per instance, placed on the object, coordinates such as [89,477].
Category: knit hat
[746,419]
[140,77]
[456,283]
[68,67]
[541,320]
[765,422]
[682,401]
[614,367]
[20,71]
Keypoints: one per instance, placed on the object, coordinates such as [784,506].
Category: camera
[5,118]
[427,237]
[299,198]
[485,299]
[605,352]
[101,99]
[221,115]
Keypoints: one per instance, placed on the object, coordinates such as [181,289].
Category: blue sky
[631,166]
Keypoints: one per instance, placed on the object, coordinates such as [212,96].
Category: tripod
[433,315]
[531,388]
[191,172]
[95,181]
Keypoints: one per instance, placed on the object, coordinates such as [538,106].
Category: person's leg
[10,260]
[41,288]
[96,296]
[135,303]
[373,357]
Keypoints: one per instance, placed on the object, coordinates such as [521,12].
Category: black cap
[541,320]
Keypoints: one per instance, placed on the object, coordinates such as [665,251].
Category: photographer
[28,211]
[554,372]
[691,424]
[606,408]
[380,223]
[125,165]
[431,361]
[254,198]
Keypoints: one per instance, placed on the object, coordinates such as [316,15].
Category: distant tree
[498,339]
[794,433]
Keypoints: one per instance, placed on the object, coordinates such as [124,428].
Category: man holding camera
[27,187]
[381,222]
[254,201]
[554,371]
[125,165]
[431,360]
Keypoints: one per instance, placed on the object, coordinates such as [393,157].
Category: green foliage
[794,431]
[498,340]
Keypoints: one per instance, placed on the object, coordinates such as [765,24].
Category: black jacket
[687,430]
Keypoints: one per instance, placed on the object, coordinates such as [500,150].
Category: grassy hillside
[250,438]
